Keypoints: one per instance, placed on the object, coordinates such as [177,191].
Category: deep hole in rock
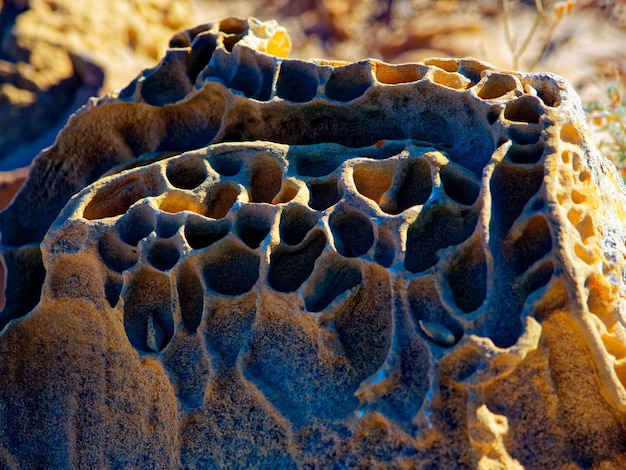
[526,108]
[291,266]
[295,222]
[533,244]
[392,74]
[230,41]
[297,81]
[221,198]
[467,277]
[116,197]
[317,165]
[352,232]
[252,225]
[512,186]
[493,114]
[525,134]
[373,179]
[385,250]
[497,85]
[437,227]
[186,173]
[230,269]
[459,186]
[147,311]
[525,154]
[348,82]
[416,185]
[247,78]
[202,49]
[201,233]
[547,89]
[432,318]
[539,277]
[472,70]
[113,288]
[225,164]
[136,224]
[266,178]
[449,65]
[232,25]
[168,224]
[323,194]
[163,254]
[334,281]
[190,296]
[116,254]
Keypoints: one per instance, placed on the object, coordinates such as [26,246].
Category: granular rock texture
[311,264]
[54,55]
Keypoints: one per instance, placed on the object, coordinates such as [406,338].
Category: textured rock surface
[54,55]
[356,264]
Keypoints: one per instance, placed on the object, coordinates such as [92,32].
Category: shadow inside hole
[163,254]
[432,318]
[148,317]
[331,282]
[266,178]
[352,232]
[323,194]
[461,187]
[186,173]
[230,269]
[190,296]
[253,224]
[295,222]
[291,266]
[201,233]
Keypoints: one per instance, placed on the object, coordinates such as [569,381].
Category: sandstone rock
[54,55]
[297,264]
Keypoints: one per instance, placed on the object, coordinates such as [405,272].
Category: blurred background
[55,54]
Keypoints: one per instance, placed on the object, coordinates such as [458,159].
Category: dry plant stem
[546,43]
[518,52]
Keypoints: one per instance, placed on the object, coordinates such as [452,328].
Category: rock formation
[252,261]
[54,55]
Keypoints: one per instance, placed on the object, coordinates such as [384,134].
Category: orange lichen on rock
[252,261]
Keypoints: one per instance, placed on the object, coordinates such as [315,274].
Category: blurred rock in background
[55,54]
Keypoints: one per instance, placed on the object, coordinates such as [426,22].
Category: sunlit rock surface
[55,54]
[274,263]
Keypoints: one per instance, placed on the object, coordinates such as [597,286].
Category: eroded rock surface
[54,55]
[295,264]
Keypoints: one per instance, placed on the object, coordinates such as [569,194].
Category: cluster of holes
[578,215]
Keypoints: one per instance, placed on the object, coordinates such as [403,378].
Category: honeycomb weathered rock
[415,265]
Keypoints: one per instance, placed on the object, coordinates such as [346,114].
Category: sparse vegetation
[609,117]
[548,23]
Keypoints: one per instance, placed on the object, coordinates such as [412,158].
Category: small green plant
[610,119]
